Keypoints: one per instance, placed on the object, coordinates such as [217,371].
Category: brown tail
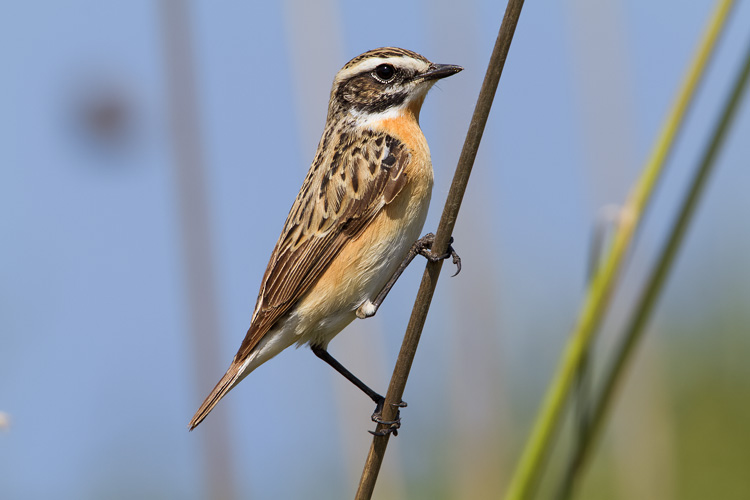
[227,382]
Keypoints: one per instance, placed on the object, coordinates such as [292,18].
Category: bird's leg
[325,356]
[379,400]
[423,246]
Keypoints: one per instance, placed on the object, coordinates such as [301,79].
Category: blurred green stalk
[530,466]
[656,279]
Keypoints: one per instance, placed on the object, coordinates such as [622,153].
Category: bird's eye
[385,72]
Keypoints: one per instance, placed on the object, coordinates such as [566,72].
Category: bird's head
[384,82]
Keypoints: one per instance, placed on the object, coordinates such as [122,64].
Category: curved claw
[385,432]
[425,249]
[450,253]
[456,260]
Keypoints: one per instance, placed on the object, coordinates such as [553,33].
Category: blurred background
[150,151]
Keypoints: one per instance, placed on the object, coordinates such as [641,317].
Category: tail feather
[227,382]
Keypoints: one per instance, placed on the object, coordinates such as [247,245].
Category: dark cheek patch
[385,102]
[364,94]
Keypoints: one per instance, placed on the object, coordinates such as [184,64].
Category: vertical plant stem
[442,237]
[657,278]
[595,303]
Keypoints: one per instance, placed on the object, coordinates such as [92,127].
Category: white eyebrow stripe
[372,63]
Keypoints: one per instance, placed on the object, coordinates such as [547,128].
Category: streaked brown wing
[362,175]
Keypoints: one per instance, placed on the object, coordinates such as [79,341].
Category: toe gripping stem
[390,426]
[424,248]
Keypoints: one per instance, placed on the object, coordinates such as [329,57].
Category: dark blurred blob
[102,116]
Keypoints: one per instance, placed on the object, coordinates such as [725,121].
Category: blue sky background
[97,369]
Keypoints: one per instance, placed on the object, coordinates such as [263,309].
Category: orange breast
[406,129]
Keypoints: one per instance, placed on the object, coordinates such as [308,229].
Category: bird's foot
[424,248]
[390,426]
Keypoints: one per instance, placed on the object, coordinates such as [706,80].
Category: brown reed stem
[443,235]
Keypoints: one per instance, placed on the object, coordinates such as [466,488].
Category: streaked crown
[383,79]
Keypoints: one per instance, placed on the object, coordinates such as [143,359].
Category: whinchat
[355,223]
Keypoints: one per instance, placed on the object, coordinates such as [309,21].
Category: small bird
[355,224]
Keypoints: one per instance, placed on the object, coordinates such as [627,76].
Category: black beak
[438,71]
